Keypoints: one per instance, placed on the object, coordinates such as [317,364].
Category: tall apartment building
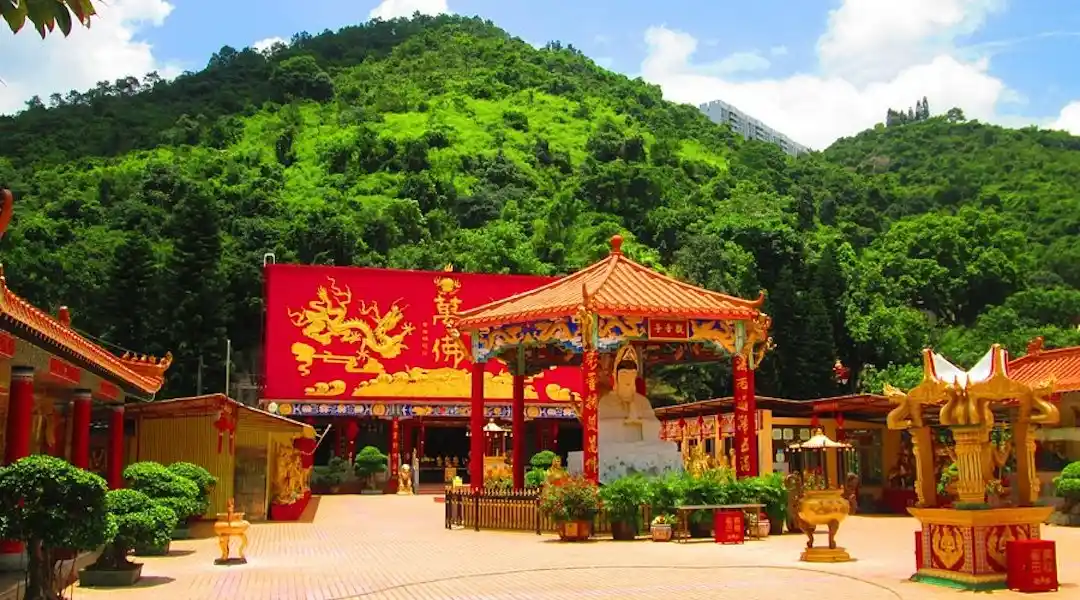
[749,127]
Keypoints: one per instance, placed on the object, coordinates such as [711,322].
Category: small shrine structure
[613,312]
[965,545]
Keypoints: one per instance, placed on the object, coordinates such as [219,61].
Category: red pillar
[746,446]
[116,448]
[80,429]
[517,428]
[589,433]
[20,414]
[395,452]
[476,428]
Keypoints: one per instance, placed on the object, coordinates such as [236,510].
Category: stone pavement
[395,547]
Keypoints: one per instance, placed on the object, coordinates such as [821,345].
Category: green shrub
[48,504]
[623,498]
[1067,485]
[140,522]
[535,477]
[178,494]
[201,477]
[542,459]
[369,462]
[664,494]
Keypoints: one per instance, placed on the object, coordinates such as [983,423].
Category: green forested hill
[147,206]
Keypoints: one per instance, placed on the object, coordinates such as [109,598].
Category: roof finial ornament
[616,244]
[1035,346]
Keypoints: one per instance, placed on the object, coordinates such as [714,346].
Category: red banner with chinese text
[746,447]
[590,433]
[347,333]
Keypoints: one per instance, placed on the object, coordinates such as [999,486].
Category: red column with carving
[20,414]
[116,448]
[476,428]
[517,428]
[80,428]
[746,446]
[395,452]
[589,426]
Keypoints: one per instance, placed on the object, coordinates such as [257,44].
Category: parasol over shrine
[617,318]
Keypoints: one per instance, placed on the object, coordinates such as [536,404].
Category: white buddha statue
[629,432]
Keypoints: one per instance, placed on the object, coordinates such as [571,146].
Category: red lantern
[839,427]
[701,427]
[682,425]
[815,422]
[226,423]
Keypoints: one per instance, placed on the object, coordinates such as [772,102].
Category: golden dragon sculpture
[326,318]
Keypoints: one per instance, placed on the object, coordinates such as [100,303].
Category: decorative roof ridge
[466,314]
[51,327]
[755,303]
[151,366]
[1041,354]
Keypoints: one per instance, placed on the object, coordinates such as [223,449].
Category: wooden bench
[750,517]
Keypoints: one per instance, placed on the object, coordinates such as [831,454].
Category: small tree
[1067,486]
[178,494]
[139,522]
[48,504]
[201,477]
[369,462]
[542,459]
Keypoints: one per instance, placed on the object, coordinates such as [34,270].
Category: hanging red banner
[746,454]
[589,432]
[395,451]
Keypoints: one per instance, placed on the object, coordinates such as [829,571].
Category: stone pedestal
[966,548]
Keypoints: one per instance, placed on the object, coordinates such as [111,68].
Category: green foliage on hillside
[147,206]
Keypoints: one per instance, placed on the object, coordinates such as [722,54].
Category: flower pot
[575,531]
[91,577]
[624,531]
[661,532]
[764,527]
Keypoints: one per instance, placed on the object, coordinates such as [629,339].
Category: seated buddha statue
[627,429]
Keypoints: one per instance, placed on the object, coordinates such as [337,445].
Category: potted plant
[51,505]
[330,477]
[572,503]
[369,462]
[712,487]
[139,522]
[622,500]
[1067,487]
[662,528]
[178,494]
[202,479]
[542,460]
[771,491]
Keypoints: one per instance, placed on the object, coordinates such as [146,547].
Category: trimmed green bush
[201,477]
[48,504]
[369,462]
[542,459]
[140,522]
[178,494]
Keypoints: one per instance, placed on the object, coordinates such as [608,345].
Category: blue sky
[815,69]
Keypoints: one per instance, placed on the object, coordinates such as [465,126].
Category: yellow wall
[188,439]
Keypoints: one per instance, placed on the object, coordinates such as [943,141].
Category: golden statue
[405,480]
[290,481]
[698,462]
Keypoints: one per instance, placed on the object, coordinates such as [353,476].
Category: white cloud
[110,49]
[1069,119]
[872,56]
[267,43]
[392,9]
[778,51]
[741,62]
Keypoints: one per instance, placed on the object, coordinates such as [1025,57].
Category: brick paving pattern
[394,547]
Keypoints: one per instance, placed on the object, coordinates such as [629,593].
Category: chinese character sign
[589,424]
[344,333]
[746,447]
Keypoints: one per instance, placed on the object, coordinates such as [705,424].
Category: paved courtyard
[391,547]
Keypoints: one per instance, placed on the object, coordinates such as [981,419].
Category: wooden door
[249,482]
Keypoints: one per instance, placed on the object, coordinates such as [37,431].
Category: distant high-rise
[749,127]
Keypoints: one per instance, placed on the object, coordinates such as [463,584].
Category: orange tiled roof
[614,286]
[143,373]
[1038,365]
